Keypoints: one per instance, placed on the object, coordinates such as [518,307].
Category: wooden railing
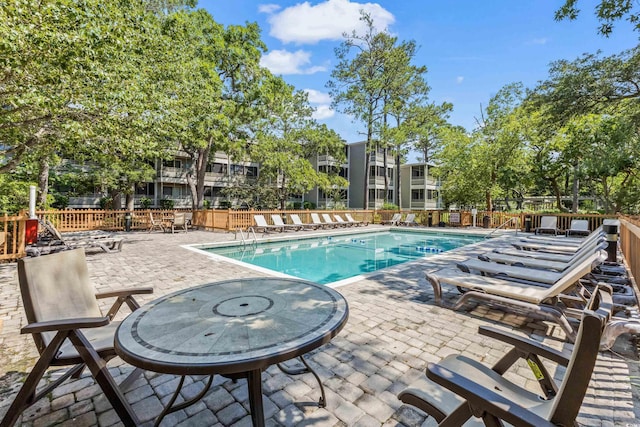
[630,243]
[12,237]
[98,219]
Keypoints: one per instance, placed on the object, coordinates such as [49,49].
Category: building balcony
[421,182]
[378,182]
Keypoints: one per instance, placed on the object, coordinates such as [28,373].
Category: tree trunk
[116,199]
[488,200]
[556,191]
[367,159]
[130,198]
[575,188]
[397,183]
[196,174]
[43,183]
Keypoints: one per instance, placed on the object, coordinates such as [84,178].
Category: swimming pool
[332,258]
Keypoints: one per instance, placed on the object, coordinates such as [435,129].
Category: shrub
[60,201]
[206,204]
[145,203]
[389,207]
[308,205]
[106,202]
[166,204]
[225,204]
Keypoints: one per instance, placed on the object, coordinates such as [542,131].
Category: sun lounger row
[396,219]
[297,224]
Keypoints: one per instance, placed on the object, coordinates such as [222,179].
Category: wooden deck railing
[630,243]
[12,235]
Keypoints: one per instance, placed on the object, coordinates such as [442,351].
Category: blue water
[329,259]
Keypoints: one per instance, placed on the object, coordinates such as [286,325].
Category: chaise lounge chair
[393,221]
[410,220]
[331,223]
[578,227]
[548,224]
[535,276]
[261,224]
[341,222]
[69,329]
[315,218]
[303,226]
[458,388]
[85,239]
[277,220]
[355,222]
[551,303]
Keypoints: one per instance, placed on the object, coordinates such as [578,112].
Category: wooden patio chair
[179,221]
[155,223]
[69,329]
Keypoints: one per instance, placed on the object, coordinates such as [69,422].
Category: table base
[254,384]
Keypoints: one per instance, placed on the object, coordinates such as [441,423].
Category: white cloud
[459,79]
[306,23]
[285,62]
[317,97]
[542,40]
[268,8]
[323,112]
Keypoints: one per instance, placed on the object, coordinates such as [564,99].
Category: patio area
[394,330]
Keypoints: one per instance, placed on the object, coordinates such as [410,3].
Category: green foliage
[60,201]
[389,207]
[14,194]
[106,202]
[308,205]
[166,204]
[145,202]
[206,204]
[607,12]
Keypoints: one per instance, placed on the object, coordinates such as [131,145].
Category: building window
[417,195]
[252,171]
[175,163]
[237,169]
[344,172]
[417,172]
[146,189]
[218,168]
[432,194]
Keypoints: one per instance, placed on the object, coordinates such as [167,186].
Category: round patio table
[235,328]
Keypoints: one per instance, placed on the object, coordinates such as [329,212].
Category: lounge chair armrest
[65,325]
[525,344]
[124,292]
[483,398]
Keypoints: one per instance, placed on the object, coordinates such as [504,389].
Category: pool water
[329,259]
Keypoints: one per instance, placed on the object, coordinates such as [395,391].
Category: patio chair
[393,221]
[261,224]
[329,222]
[557,262]
[189,218]
[277,220]
[179,221]
[57,241]
[410,220]
[458,388]
[69,329]
[528,274]
[315,218]
[551,303]
[295,218]
[578,227]
[341,222]
[155,223]
[355,222]
[548,224]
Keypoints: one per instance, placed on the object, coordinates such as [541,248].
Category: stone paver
[394,330]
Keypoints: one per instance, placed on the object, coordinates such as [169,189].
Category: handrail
[249,230]
[503,224]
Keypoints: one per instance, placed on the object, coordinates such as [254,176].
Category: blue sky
[471,48]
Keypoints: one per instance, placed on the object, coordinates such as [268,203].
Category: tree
[607,11]
[287,138]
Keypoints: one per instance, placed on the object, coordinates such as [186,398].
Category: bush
[308,205]
[106,202]
[60,201]
[145,203]
[166,204]
[206,204]
[389,207]
[225,204]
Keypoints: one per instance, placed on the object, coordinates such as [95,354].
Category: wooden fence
[13,228]
[630,243]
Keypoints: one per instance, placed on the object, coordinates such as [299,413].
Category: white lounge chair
[277,220]
[578,227]
[548,224]
[261,224]
[330,223]
[315,218]
[303,226]
[342,222]
[355,222]
[409,220]
[393,221]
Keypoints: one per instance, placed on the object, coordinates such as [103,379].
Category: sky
[471,48]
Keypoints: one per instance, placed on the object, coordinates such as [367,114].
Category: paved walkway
[394,330]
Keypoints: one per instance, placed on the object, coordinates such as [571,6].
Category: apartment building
[377,172]
[419,190]
[326,163]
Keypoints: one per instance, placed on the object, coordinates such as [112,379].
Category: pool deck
[394,330]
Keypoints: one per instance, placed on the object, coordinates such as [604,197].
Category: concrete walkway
[394,330]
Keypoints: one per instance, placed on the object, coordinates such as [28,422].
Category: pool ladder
[250,232]
[512,219]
